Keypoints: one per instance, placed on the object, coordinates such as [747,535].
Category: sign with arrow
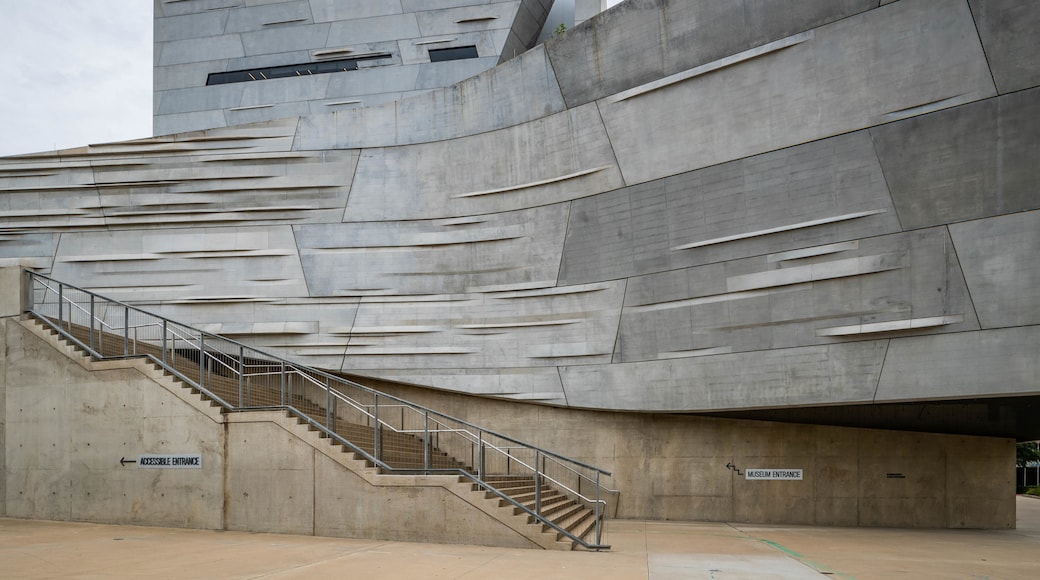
[123,461]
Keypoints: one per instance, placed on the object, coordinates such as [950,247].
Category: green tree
[1026,452]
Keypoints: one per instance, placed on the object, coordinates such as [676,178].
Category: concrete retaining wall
[674,467]
[68,423]
[72,421]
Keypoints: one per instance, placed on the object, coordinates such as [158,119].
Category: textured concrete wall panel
[268,17]
[1008,32]
[810,195]
[435,75]
[201,98]
[519,250]
[837,78]
[67,429]
[541,385]
[475,105]
[333,10]
[989,363]
[217,264]
[201,49]
[198,25]
[549,160]
[272,474]
[350,32]
[815,375]
[608,54]
[1002,267]
[844,292]
[183,76]
[281,40]
[505,330]
[969,162]
[467,19]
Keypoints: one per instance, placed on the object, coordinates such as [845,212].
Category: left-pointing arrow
[123,461]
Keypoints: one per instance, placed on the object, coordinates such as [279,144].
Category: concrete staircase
[401,451]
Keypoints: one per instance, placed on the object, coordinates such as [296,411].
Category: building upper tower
[227,62]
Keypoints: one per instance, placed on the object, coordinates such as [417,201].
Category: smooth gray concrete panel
[987,363]
[814,375]
[837,78]
[201,49]
[266,17]
[372,81]
[467,19]
[1002,266]
[421,5]
[333,10]
[261,112]
[505,251]
[434,75]
[969,162]
[182,76]
[198,25]
[285,90]
[184,122]
[1008,32]
[374,29]
[178,7]
[197,264]
[549,160]
[609,53]
[852,291]
[475,105]
[286,39]
[215,98]
[809,195]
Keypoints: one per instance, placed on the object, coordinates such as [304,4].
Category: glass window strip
[292,70]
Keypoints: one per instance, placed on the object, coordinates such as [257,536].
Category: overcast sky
[73,73]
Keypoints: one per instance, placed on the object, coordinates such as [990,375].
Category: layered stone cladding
[676,206]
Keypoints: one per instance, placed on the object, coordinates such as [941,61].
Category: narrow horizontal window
[454,53]
[292,70]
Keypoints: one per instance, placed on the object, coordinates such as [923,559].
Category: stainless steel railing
[392,433]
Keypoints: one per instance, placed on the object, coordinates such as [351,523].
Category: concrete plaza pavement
[641,549]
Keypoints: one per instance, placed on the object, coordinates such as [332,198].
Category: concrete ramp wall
[72,426]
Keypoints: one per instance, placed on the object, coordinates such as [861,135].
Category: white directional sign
[191,461]
[788,474]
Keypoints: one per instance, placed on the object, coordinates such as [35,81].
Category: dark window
[292,70]
[455,53]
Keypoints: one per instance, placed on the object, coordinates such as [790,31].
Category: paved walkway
[651,550]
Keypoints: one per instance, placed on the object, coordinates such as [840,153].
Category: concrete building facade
[812,212]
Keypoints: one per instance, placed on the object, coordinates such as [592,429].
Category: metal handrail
[477,438]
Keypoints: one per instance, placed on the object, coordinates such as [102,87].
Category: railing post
[202,360]
[328,405]
[126,331]
[599,523]
[164,342]
[537,484]
[61,303]
[281,377]
[241,375]
[92,324]
[376,442]
[480,455]
[426,442]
